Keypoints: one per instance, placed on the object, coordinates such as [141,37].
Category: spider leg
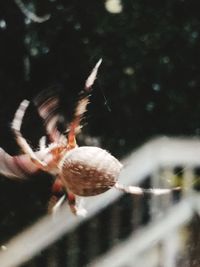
[80,207]
[47,103]
[58,204]
[16,167]
[60,192]
[42,142]
[58,196]
[16,126]
[81,107]
[135,190]
[75,207]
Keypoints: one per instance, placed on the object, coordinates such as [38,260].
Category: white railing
[128,253]
[160,152]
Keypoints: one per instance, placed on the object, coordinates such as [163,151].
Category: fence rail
[128,251]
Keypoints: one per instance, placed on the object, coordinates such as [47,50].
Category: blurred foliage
[148,83]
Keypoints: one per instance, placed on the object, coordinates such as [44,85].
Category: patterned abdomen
[89,171]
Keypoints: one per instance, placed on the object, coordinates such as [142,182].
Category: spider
[77,171]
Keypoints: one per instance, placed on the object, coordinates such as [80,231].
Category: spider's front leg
[59,195]
[16,127]
[136,190]
[81,107]
[75,205]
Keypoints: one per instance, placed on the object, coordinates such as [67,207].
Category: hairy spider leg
[56,207]
[16,127]
[74,127]
[74,205]
[136,190]
[58,196]
[81,107]
[47,107]
[42,142]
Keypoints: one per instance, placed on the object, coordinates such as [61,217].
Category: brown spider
[78,171]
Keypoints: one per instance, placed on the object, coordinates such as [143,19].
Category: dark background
[148,83]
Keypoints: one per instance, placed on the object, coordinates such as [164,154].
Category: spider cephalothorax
[78,171]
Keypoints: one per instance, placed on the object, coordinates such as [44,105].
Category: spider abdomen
[88,171]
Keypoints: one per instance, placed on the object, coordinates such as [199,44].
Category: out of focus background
[148,85]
